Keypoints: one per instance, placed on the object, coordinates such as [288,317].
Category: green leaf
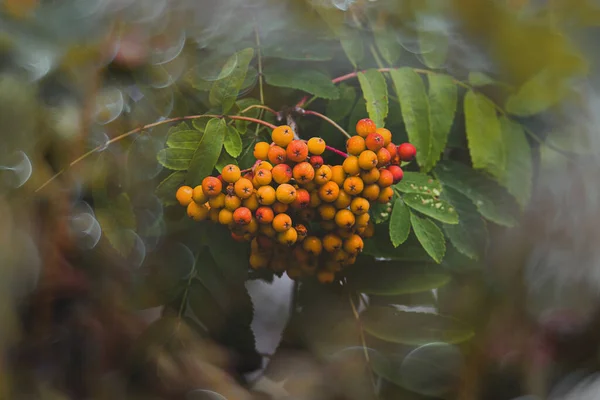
[165,190]
[434,47]
[542,91]
[340,108]
[233,142]
[399,223]
[388,46]
[308,80]
[175,159]
[443,96]
[380,246]
[413,328]
[492,201]
[225,90]
[358,112]
[200,124]
[478,79]
[299,50]
[207,153]
[391,278]
[430,236]
[117,221]
[246,159]
[375,92]
[470,235]
[431,206]
[352,43]
[484,134]
[230,256]
[416,182]
[184,140]
[519,164]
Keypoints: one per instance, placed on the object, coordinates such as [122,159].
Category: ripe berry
[302,199]
[353,185]
[396,172]
[371,192]
[261,150]
[359,205]
[393,149]
[329,192]
[386,178]
[285,193]
[367,159]
[323,175]
[288,237]
[332,242]
[217,201]
[211,186]
[232,202]
[184,195]
[316,161]
[355,145]
[225,217]
[370,176]
[242,216]
[325,277]
[297,151]
[386,134]
[243,188]
[263,165]
[279,208]
[266,195]
[383,157]
[351,165]
[197,212]
[407,152]
[282,173]
[353,245]
[365,126]
[312,245]
[343,200]
[231,173]
[338,175]
[344,233]
[362,220]
[198,195]
[303,172]
[282,222]
[316,146]
[374,141]
[251,202]
[264,215]
[344,218]
[262,177]
[327,212]
[386,195]
[276,155]
[282,135]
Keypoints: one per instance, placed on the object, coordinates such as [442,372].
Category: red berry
[374,141]
[316,162]
[407,152]
[396,172]
[365,126]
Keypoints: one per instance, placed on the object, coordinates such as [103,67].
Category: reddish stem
[336,151]
[301,102]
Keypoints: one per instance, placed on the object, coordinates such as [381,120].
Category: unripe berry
[266,195]
[338,175]
[232,202]
[231,173]
[343,200]
[225,217]
[370,176]
[327,212]
[282,222]
[303,172]
[351,165]
[251,202]
[329,192]
[302,199]
[323,175]
[386,178]
[282,173]
[279,208]
[386,195]
[383,157]
[365,126]
[297,151]
[353,245]
[184,195]
[242,216]
[198,195]
[332,242]
[359,205]
[374,142]
[407,152]
[282,135]
[316,146]
[197,212]
[312,245]
[353,185]
[386,134]
[243,188]
[396,172]
[263,177]
[258,261]
[371,192]
[285,193]
[217,201]
[367,160]
[355,145]
[211,186]
[344,218]
[316,161]
[325,277]
[261,150]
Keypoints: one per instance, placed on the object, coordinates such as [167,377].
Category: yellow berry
[225,217]
[198,195]
[197,212]
[288,237]
[266,195]
[282,222]
[217,201]
[344,218]
[282,135]
[231,173]
[351,165]
[316,146]
[312,245]
[243,188]
[285,193]
[332,242]
[261,150]
[359,205]
[184,195]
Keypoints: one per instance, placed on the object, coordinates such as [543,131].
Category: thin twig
[329,120]
[362,340]
[262,107]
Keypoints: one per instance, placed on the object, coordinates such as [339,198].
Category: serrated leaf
[224,159]
[431,206]
[184,140]
[165,190]
[443,96]
[416,182]
[470,235]
[352,43]
[340,108]
[375,92]
[388,45]
[413,328]
[207,153]
[519,165]
[308,80]
[434,47]
[540,92]
[399,223]
[388,278]
[175,159]
[430,236]
[492,201]
[484,134]
[233,142]
[225,90]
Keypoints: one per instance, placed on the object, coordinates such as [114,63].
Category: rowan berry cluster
[300,215]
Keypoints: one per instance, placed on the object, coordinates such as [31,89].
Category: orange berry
[266,195]
[282,173]
[371,192]
[262,177]
[264,215]
[251,202]
[386,195]
[351,165]
[316,161]
[282,135]
[242,216]
[355,145]
[365,126]
[362,220]
[217,201]
[263,165]
[344,218]
[225,217]
[374,141]
[332,242]
[211,186]
[383,157]
[367,160]
[282,222]
[297,151]
[316,146]
[370,176]
[261,150]
[285,193]
[232,202]
[338,175]
[243,188]
[198,195]
[340,257]
[393,149]
[288,237]
[184,195]
[323,175]
[359,205]
[325,277]
[312,245]
[353,185]
[345,233]
[213,214]
[252,226]
[369,230]
[276,155]
[396,172]
[343,200]
[327,212]
[279,208]
[302,199]
[231,173]
[303,172]
[329,192]
[315,200]
[258,261]
[385,134]
[354,244]
[407,152]
[386,178]
[197,212]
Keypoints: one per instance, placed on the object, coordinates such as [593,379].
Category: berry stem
[332,122]
[336,151]
[269,109]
